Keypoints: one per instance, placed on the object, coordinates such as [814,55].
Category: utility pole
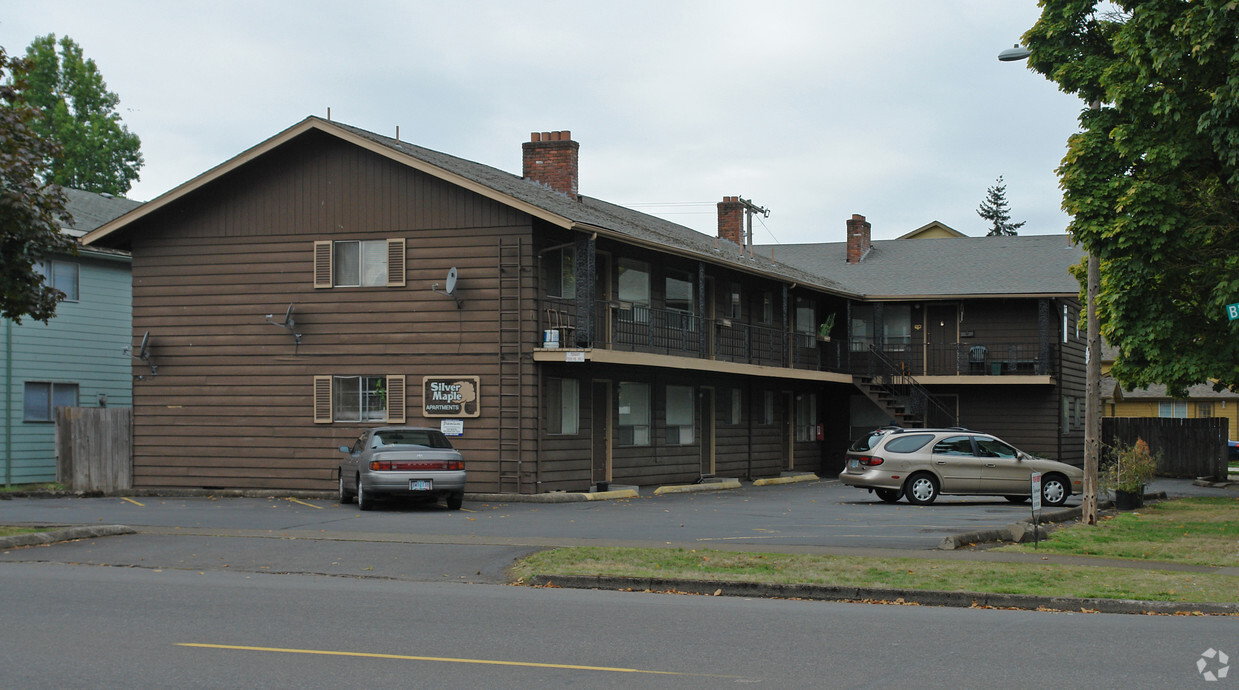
[749,209]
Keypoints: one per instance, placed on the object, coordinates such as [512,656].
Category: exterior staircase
[883,395]
[908,403]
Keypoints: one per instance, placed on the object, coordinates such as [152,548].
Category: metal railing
[914,397]
[958,359]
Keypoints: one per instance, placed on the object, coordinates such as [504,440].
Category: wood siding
[233,402]
[81,345]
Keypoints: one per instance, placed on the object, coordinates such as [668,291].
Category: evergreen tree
[994,209]
[77,112]
[30,208]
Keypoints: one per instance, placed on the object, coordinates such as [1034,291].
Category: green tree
[1152,178]
[78,112]
[994,209]
[30,208]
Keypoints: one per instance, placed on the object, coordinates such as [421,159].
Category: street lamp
[1092,357]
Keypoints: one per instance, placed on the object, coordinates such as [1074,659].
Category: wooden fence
[1188,447]
[94,448]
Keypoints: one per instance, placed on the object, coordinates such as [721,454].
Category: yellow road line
[123,498]
[404,657]
[305,504]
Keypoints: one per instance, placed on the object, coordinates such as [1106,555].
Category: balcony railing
[635,327]
[973,358]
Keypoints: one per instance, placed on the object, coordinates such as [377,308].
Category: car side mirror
[345,449]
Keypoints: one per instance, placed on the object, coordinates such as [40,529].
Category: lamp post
[1092,356]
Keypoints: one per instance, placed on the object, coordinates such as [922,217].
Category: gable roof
[931,230]
[1020,266]
[583,213]
[1110,389]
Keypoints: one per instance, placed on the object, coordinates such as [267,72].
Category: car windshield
[428,438]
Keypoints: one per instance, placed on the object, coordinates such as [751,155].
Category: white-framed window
[362,398]
[862,328]
[681,415]
[767,408]
[41,398]
[61,275]
[806,417]
[1172,408]
[563,407]
[359,263]
[736,417]
[561,273]
[897,327]
[634,414]
[634,289]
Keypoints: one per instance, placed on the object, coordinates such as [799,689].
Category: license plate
[855,464]
[420,485]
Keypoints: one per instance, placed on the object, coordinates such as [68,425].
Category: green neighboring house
[77,357]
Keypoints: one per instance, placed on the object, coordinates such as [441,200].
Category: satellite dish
[288,316]
[451,280]
[142,350]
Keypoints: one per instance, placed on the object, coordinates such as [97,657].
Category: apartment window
[1173,408]
[680,415]
[680,291]
[42,398]
[861,327]
[1069,405]
[634,414]
[737,407]
[806,417]
[359,399]
[634,290]
[561,273]
[563,406]
[61,275]
[766,308]
[359,263]
[806,315]
[734,310]
[1204,410]
[897,327]
[767,408]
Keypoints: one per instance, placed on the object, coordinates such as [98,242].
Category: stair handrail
[919,394]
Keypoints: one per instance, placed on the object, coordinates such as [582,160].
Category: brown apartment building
[331,279]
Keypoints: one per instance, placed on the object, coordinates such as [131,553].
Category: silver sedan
[411,462]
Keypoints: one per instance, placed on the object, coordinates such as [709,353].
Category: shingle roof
[953,266]
[91,209]
[1200,391]
[600,214]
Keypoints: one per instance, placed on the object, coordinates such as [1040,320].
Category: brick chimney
[858,238]
[551,159]
[731,219]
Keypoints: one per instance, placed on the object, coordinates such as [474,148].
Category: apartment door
[708,416]
[602,432]
[941,340]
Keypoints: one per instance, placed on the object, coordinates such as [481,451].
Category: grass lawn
[11,531]
[1200,531]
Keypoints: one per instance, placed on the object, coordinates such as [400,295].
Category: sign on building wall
[450,396]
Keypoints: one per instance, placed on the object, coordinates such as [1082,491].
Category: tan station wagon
[922,464]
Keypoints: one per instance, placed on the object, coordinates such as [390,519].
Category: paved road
[111,627]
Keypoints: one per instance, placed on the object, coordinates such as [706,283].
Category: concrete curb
[64,534]
[795,479]
[724,485]
[1022,531]
[882,595]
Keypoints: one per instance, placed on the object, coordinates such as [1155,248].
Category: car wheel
[364,501]
[454,501]
[1017,499]
[921,489]
[888,495]
[1054,490]
[345,496]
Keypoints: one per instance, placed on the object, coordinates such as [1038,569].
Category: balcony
[638,328]
[973,358]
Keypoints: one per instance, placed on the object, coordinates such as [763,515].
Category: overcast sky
[895,109]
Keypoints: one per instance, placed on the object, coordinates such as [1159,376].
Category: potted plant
[823,331]
[1127,473]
